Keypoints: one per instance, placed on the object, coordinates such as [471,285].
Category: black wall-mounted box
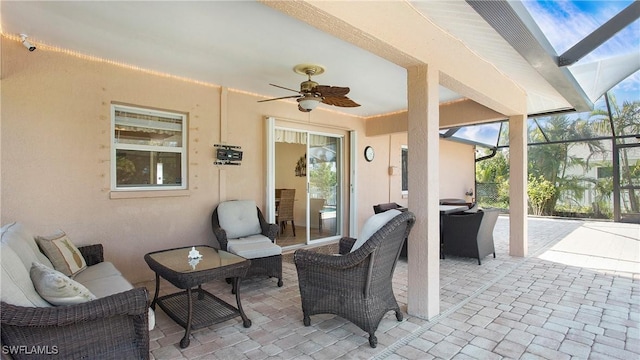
[228,155]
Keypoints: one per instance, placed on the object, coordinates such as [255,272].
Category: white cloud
[565,24]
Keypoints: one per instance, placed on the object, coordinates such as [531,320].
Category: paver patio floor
[575,296]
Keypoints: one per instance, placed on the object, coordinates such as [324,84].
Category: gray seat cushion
[254,248]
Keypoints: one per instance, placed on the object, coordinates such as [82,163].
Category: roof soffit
[514,23]
[374,28]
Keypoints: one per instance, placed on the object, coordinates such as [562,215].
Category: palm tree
[626,121]
[553,160]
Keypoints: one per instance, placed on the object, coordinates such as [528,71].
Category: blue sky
[565,22]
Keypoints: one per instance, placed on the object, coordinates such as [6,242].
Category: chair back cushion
[239,218]
[17,249]
[372,225]
[385,207]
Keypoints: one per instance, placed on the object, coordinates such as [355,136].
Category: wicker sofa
[113,326]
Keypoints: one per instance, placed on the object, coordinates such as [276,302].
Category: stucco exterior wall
[55,154]
[56,124]
[456,169]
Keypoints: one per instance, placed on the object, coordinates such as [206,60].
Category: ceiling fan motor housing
[307,86]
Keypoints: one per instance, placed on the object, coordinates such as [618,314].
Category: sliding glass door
[324,190]
[310,164]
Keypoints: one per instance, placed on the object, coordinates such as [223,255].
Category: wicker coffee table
[206,309]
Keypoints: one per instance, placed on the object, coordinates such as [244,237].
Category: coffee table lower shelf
[207,309]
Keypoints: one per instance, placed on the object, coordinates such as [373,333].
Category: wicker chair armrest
[311,259]
[346,243]
[117,325]
[92,254]
[343,274]
[221,235]
[270,231]
[131,302]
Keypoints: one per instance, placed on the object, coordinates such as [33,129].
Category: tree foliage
[323,178]
[626,121]
[554,160]
[540,192]
[564,148]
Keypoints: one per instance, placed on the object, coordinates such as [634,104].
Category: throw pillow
[57,288]
[62,253]
[372,225]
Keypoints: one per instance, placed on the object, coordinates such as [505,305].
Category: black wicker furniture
[356,286]
[114,326]
[462,235]
[384,207]
[258,244]
[205,309]
[377,209]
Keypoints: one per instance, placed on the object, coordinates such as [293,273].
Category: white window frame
[150,148]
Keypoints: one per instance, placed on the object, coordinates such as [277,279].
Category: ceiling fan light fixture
[308,103]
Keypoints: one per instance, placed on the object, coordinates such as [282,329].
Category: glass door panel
[323,169]
[290,174]
[310,164]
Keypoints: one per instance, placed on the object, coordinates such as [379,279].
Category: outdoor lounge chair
[377,209]
[356,286]
[469,234]
[241,229]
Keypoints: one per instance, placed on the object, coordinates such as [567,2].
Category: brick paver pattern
[575,296]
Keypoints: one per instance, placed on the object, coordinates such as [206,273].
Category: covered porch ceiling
[366,46]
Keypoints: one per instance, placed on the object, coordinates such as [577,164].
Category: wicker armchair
[384,207]
[357,285]
[469,234]
[271,265]
[377,209]
[113,327]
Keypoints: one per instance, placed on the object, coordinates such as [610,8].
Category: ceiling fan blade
[280,98]
[286,88]
[341,101]
[326,90]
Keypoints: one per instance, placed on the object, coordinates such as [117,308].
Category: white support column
[518,185]
[424,240]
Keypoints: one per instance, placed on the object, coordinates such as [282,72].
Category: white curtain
[297,137]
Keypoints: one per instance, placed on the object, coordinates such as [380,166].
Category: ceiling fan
[311,94]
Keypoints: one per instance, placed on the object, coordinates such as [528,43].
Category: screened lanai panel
[485,134]
[569,127]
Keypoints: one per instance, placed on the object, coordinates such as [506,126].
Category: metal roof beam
[605,32]
[514,23]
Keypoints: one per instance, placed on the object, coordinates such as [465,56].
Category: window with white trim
[149,149]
